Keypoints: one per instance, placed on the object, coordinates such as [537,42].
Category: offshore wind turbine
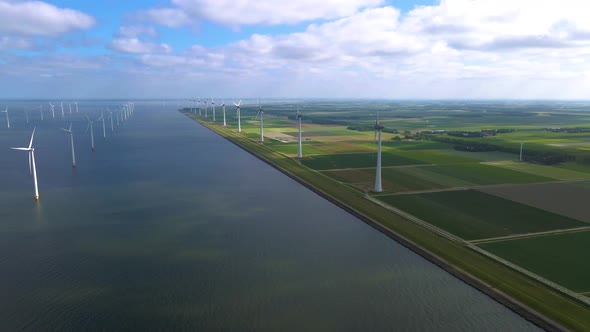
[111,115]
[70,105]
[199,104]
[223,108]
[104,131]
[62,109]
[261,114]
[41,111]
[239,117]
[32,166]
[91,125]
[7,118]
[69,131]
[76,103]
[206,109]
[299,116]
[378,128]
[52,110]
[521,144]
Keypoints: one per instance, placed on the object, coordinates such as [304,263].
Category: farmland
[559,258]
[453,165]
[475,215]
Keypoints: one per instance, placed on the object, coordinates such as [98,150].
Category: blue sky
[304,48]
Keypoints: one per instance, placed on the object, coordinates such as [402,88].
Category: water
[167,226]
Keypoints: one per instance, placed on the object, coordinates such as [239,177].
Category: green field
[559,258]
[473,215]
[480,174]
[542,170]
[356,160]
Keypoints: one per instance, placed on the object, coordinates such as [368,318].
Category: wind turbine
[104,131]
[239,118]
[7,118]
[299,116]
[70,105]
[261,114]
[378,128]
[117,118]
[27,116]
[213,108]
[76,106]
[223,108]
[206,109]
[62,109]
[521,144]
[111,114]
[52,110]
[69,131]
[41,111]
[199,104]
[91,125]
[32,166]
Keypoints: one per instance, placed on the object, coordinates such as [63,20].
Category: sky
[390,49]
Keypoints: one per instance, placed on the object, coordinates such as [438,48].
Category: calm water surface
[167,226]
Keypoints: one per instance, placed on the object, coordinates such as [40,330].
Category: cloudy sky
[296,49]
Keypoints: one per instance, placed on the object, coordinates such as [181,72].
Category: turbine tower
[521,144]
[91,126]
[378,129]
[239,118]
[32,166]
[223,109]
[206,109]
[69,131]
[7,118]
[261,114]
[70,105]
[62,109]
[76,106]
[41,111]
[213,108]
[299,116]
[199,104]
[111,115]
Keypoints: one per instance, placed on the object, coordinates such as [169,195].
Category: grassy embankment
[491,277]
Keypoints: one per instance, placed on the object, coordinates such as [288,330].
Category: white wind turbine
[111,116]
[41,111]
[299,116]
[104,130]
[91,126]
[206,109]
[118,118]
[223,108]
[76,103]
[7,118]
[62,109]
[69,131]
[378,129]
[32,166]
[52,110]
[261,114]
[213,108]
[239,117]
[70,105]
[199,104]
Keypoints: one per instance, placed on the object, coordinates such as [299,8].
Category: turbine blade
[21,149]
[32,136]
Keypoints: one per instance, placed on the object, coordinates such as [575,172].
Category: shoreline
[525,311]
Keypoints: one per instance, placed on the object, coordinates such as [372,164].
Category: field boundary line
[531,235]
[498,164]
[484,186]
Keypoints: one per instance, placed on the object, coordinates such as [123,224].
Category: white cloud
[136,46]
[134,31]
[15,43]
[262,12]
[40,19]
